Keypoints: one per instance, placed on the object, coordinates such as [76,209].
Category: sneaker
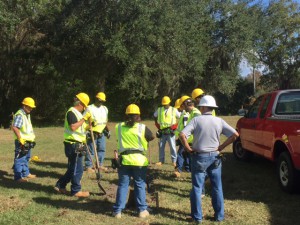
[82,194]
[31,176]
[90,170]
[117,215]
[177,174]
[22,180]
[158,163]
[144,214]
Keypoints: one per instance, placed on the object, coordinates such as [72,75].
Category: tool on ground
[97,168]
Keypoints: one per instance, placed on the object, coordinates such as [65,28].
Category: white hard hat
[208,101]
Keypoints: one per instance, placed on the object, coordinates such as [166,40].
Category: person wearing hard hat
[183,157]
[132,144]
[197,94]
[166,121]
[24,140]
[99,118]
[205,154]
[74,140]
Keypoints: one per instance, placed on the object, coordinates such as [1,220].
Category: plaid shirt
[18,121]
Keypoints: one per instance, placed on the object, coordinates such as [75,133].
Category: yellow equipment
[183,98]
[133,109]
[101,96]
[177,104]
[165,100]
[84,98]
[29,102]
[197,92]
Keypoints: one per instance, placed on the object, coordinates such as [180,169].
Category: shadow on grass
[50,164]
[256,181]
[30,186]
[94,206]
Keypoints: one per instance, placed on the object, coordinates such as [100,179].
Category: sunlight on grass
[251,193]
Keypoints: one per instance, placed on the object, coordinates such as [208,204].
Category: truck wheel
[287,175]
[239,152]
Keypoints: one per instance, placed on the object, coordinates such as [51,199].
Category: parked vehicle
[271,128]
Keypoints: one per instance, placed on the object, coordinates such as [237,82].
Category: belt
[206,153]
[131,152]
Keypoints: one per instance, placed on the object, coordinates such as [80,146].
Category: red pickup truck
[271,128]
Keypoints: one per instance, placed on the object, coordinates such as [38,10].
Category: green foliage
[138,51]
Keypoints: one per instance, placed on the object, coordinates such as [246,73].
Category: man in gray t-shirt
[205,156]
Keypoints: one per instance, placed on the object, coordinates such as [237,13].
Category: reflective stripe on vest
[167,119]
[79,133]
[132,138]
[26,131]
[99,117]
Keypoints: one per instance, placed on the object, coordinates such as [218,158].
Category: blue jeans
[162,143]
[74,170]
[21,162]
[100,145]
[183,159]
[212,166]
[139,177]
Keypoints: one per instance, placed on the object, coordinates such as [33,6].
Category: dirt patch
[10,203]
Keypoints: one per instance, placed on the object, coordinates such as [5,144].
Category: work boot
[144,214]
[82,194]
[158,163]
[31,176]
[103,168]
[177,174]
[90,170]
[117,215]
[22,180]
[61,190]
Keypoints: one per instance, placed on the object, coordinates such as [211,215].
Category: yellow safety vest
[99,116]
[132,139]
[195,112]
[79,134]
[167,119]
[182,122]
[26,131]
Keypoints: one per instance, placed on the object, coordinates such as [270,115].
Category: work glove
[22,141]
[86,116]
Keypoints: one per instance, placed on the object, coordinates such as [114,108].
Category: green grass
[252,195]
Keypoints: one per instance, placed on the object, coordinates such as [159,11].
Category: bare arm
[228,141]
[17,132]
[185,143]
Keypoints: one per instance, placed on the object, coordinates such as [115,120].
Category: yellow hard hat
[29,102]
[183,98]
[84,98]
[101,96]
[197,92]
[35,158]
[177,104]
[165,100]
[133,109]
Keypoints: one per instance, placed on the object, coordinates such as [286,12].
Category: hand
[86,116]
[22,141]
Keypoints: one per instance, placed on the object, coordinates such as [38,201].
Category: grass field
[251,192]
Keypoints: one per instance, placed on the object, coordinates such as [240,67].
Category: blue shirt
[18,121]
